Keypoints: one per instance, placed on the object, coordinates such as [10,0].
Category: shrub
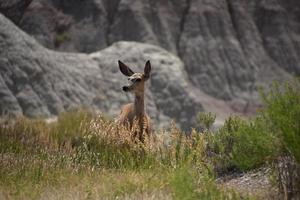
[206,120]
[243,145]
[255,145]
[282,110]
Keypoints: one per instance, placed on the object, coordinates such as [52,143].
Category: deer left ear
[147,70]
[125,69]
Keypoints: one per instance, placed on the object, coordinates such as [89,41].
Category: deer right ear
[125,69]
[147,70]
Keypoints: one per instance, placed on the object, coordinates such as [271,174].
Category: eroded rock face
[40,82]
[73,25]
[36,81]
[14,9]
[228,47]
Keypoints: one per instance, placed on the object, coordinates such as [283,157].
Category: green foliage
[206,120]
[183,184]
[188,182]
[69,125]
[282,111]
[247,144]
[255,145]
[61,38]
[243,144]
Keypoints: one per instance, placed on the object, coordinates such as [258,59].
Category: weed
[206,120]
[61,38]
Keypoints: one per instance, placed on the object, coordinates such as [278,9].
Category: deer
[135,112]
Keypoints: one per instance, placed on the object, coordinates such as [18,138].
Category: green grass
[96,158]
[85,156]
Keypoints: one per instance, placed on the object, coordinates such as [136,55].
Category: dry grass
[97,184]
[83,156]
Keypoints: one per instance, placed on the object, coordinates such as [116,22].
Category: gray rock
[73,25]
[38,82]
[228,47]
[42,81]
[14,9]
[225,54]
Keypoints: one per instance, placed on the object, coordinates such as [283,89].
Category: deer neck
[139,107]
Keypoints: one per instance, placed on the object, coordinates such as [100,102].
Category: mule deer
[135,112]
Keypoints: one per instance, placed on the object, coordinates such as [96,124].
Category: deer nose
[125,88]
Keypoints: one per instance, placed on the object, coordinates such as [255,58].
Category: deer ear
[147,70]
[125,69]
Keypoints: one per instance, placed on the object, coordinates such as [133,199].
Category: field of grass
[85,156]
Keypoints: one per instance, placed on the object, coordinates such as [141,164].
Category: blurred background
[206,55]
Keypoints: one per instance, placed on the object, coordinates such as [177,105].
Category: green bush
[243,145]
[282,111]
[255,145]
[247,144]
[206,120]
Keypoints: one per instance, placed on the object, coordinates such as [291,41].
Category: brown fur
[128,116]
[135,112]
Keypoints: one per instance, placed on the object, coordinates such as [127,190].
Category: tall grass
[36,155]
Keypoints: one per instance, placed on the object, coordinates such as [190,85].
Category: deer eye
[138,80]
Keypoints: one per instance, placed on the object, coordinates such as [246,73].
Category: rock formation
[228,48]
[14,9]
[36,81]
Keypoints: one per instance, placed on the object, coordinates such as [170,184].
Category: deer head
[136,81]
